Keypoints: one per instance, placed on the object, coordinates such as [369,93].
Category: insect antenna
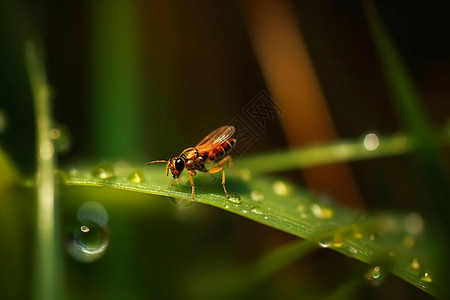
[156,161]
[160,161]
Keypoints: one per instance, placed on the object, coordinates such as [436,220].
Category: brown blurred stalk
[291,79]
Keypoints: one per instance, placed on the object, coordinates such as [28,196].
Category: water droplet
[136,177]
[414,223]
[257,210]
[375,276]
[352,250]
[281,188]
[103,171]
[88,242]
[426,277]
[257,195]
[61,138]
[371,141]
[415,263]
[322,212]
[235,198]
[325,244]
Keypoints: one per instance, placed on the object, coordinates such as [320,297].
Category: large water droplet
[371,142]
[281,188]
[235,198]
[136,176]
[88,242]
[257,195]
[375,276]
[103,171]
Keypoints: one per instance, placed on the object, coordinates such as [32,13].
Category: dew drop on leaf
[136,177]
[325,243]
[235,198]
[322,212]
[103,171]
[426,277]
[257,210]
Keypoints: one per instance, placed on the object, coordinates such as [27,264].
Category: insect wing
[216,138]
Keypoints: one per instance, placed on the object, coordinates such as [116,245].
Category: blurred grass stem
[47,275]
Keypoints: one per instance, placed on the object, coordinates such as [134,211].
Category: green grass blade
[341,151]
[393,237]
[413,116]
[47,277]
[116,89]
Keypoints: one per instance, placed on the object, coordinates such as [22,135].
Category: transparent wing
[216,137]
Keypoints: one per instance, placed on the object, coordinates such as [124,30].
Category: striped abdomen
[219,152]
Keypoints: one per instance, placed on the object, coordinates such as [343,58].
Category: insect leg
[220,168]
[175,181]
[191,180]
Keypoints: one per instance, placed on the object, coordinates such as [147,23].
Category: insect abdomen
[218,153]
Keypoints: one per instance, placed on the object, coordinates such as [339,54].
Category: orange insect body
[214,148]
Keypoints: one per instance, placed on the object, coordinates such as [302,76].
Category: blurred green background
[141,80]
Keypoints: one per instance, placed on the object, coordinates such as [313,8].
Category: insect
[212,149]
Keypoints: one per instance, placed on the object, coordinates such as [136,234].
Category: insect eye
[179,164]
